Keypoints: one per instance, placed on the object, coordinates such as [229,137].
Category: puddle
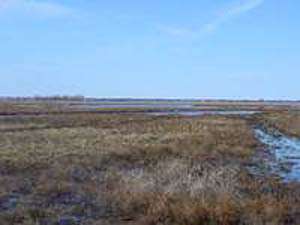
[133,105]
[9,202]
[202,113]
[285,154]
[69,221]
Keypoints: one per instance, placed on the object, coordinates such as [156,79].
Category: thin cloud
[232,12]
[176,31]
[237,9]
[35,7]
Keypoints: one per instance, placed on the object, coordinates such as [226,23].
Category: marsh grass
[287,122]
[136,169]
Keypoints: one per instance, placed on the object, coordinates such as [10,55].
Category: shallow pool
[286,152]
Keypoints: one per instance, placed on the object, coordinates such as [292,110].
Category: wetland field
[148,162]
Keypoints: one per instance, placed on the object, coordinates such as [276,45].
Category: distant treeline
[81,98]
[44,98]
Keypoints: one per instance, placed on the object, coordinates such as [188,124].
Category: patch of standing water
[202,113]
[286,152]
[9,202]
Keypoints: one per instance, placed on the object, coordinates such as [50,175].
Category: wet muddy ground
[283,154]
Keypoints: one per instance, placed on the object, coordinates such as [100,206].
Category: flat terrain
[64,165]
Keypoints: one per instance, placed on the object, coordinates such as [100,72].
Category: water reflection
[286,151]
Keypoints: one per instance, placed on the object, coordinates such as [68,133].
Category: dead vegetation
[287,122]
[136,169]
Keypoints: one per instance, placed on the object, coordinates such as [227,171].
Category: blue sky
[171,48]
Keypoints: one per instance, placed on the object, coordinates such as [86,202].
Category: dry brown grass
[287,122]
[135,169]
